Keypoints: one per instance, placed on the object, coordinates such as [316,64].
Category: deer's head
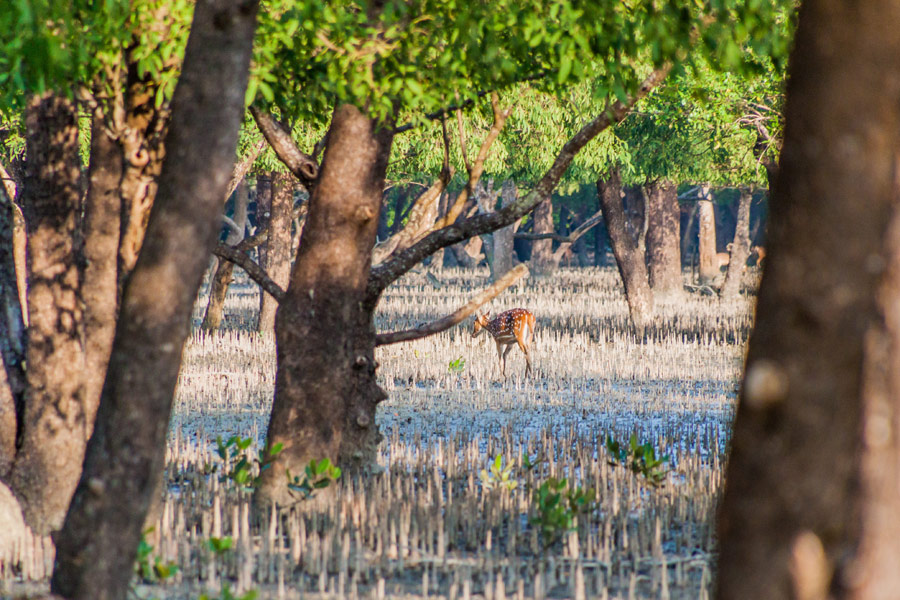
[481,322]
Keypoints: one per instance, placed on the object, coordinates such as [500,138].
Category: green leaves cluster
[61,45]
[318,475]
[416,57]
[240,466]
[148,567]
[639,458]
[557,506]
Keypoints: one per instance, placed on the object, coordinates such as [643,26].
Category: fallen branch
[236,255]
[456,317]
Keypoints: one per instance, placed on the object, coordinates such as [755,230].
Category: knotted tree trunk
[325,391]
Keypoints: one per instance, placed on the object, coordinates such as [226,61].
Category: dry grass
[427,526]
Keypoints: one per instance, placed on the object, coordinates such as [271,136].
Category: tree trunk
[97,546]
[325,390]
[102,213]
[709,268]
[504,238]
[601,239]
[740,249]
[663,235]
[55,423]
[811,508]
[629,259]
[221,280]
[278,246]
[13,382]
[542,250]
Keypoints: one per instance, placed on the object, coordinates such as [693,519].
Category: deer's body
[513,327]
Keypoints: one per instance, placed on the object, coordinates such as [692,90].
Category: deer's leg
[501,358]
[524,346]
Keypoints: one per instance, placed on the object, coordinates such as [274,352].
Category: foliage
[318,475]
[558,506]
[499,477]
[220,546]
[150,568]
[639,458]
[419,56]
[64,46]
[457,365]
[239,466]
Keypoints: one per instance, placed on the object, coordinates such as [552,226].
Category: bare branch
[573,237]
[459,315]
[9,184]
[242,167]
[302,165]
[477,168]
[422,213]
[236,254]
[388,272]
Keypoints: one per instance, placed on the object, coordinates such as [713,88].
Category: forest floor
[561,517]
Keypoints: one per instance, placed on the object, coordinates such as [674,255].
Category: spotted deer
[512,327]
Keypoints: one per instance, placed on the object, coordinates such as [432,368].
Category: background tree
[811,505]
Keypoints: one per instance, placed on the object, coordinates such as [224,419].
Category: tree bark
[629,258]
[96,547]
[663,236]
[503,238]
[811,508]
[55,422]
[709,268]
[103,207]
[325,389]
[278,246]
[740,249]
[542,250]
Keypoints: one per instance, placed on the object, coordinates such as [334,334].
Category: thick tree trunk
[542,250]
[221,280]
[740,249]
[709,267]
[56,420]
[102,212]
[811,506]
[325,390]
[96,547]
[278,246]
[663,236]
[629,259]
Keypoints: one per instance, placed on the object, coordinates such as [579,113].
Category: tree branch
[576,233]
[236,254]
[242,167]
[388,272]
[477,167]
[303,166]
[456,317]
[422,213]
